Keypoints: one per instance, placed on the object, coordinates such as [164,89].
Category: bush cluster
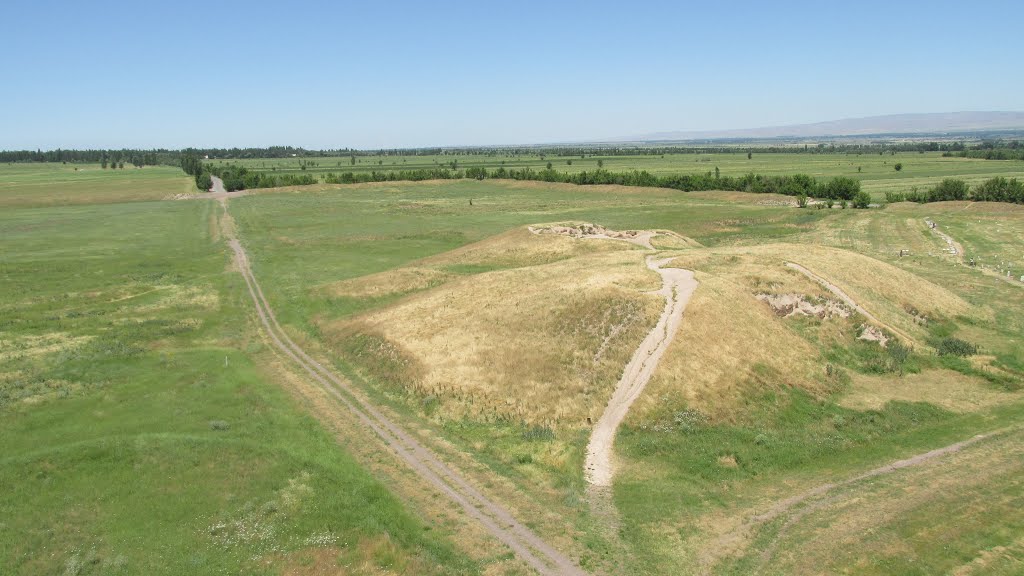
[956,347]
[997,189]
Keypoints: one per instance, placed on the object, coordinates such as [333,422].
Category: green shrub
[956,347]
[861,200]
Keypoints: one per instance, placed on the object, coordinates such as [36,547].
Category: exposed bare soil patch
[792,304]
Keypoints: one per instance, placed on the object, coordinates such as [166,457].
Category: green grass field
[142,430]
[51,184]
[876,172]
[139,430]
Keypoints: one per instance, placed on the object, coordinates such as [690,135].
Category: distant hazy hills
[872,125]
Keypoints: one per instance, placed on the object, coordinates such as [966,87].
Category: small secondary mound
[792,304]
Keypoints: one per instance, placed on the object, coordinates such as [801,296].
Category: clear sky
[401,74]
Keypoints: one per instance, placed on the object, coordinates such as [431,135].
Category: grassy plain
[52,184]
[139,431]
[126,351]
[876,172]
[387,275]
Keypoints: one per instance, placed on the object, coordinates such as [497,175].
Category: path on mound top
[494,518]
[677,286]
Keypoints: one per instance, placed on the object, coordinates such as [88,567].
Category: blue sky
[396,74]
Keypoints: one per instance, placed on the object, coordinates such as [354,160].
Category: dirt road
[957,250]
[544,558]
[677,287]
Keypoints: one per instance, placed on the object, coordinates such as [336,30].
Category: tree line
[839,188]
[996,189]
[136,157]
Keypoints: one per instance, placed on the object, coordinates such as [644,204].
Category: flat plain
[143,427]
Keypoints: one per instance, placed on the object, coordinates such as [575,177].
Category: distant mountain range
[937,123]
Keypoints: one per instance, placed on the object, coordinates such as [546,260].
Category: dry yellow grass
[730,346]
[541,344]
[398,281]
[945,388]
[886,291]
[12,347]
[519,247]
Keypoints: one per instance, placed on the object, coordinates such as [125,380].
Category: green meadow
[143,430]
[140,432]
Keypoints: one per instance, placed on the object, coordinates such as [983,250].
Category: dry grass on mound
[398,281]
[893,295]
[730,346]
[542,344]
[519,247]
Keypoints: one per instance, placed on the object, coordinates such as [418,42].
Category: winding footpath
[496,519]
[677,286]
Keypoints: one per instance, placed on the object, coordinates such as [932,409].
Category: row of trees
[241,178]
[990,154]
[993,148]
[582,150]
[997,189]
[194,166]
[840,188]
[136,157]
